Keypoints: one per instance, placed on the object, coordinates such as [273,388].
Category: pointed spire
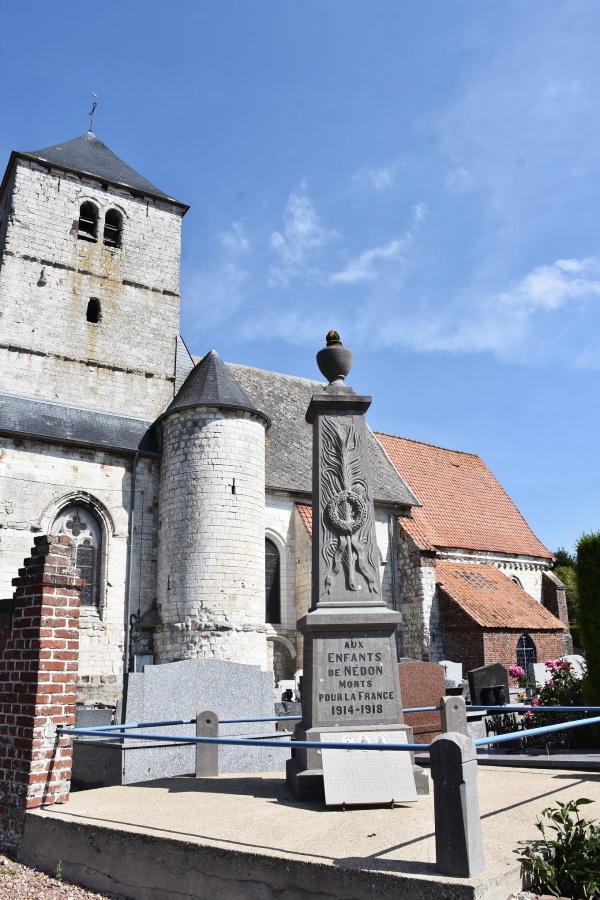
[210,383]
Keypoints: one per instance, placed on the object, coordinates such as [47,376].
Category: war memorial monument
[350,682]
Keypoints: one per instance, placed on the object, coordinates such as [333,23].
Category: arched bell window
[113,226]
[526,653]
[78,523]
[272,583]
[88,221]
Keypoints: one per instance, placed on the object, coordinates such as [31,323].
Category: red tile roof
[493,600]
[306,516]
[463,505]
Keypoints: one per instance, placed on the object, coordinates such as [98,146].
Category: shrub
[562,688]
[588,618]
[565,861]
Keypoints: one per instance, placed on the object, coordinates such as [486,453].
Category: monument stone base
[305,776]
[350,684]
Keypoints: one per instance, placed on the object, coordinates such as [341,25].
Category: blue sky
[424,177]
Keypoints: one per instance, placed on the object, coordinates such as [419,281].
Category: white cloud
[234,240]
[362,267]
[549,288]
[459,181]
[302,236]
[379,177]
[540,317]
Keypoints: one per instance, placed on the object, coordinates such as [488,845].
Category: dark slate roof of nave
[87,155]
[28,417]
[212,384]
[285,399]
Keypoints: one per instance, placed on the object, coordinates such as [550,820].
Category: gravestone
[350,680]
[577,664]
[541,674]
[178,691]
[454,672]
[488,685]
[422,684]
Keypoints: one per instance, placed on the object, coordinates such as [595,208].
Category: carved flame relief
[347,523]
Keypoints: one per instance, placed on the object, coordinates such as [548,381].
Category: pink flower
[527,715]
[552,664]
[550,682]
[516,672]
[535,701]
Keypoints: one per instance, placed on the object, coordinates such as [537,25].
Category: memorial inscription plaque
[354,679]
[356,776]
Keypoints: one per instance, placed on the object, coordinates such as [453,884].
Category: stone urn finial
[334,360]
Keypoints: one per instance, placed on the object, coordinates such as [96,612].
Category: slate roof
[87,155]
[211,383]
[491,599]
[26,417]
[463,505]
[285,399]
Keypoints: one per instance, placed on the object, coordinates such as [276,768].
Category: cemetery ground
[243,836]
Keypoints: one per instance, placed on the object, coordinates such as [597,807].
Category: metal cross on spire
[91,113]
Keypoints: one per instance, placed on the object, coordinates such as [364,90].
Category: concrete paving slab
[243,836]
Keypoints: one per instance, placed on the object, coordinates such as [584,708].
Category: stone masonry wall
[211,561]
[38,673]
[418,602]
[37,481]
[48,349]
[279,528]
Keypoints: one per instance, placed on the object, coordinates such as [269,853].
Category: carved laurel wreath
[353,506]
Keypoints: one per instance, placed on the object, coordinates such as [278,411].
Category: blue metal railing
[121,731]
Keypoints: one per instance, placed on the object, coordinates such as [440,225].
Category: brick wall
[473,646]
[501,646]
[463,638]
[38,674]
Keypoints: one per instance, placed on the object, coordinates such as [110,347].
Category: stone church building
[186,483]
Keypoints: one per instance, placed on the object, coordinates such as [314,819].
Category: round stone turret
[211,563]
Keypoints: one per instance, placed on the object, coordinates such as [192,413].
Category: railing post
[454,715]
[207,755]
[458,842]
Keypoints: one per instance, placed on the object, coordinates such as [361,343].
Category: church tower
[89,280]
[211,557]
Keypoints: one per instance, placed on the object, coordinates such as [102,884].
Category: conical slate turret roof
[89,156]
[210,383]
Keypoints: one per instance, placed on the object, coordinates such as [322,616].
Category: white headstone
[541,674]
[454,672]
[577,663]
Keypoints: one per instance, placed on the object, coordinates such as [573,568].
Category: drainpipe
[130,566]
[394,579]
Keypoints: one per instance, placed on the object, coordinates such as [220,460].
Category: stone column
[350,680]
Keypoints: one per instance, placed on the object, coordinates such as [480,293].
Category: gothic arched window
[78,523]
[526,653]
[113,225]
[88,221]
[272,583]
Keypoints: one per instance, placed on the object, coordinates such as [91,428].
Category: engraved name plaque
[357,776]
[355,680]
